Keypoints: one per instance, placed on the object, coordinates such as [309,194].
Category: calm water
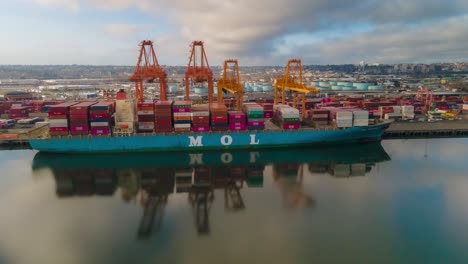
[402,201]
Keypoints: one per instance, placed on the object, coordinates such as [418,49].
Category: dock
[445,128]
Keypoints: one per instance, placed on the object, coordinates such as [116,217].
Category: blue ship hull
[203,141]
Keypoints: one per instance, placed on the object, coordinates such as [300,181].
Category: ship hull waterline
[207,141]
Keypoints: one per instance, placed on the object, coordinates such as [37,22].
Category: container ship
[107,126]
[139,125]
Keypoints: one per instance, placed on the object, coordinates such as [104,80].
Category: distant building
[19,96]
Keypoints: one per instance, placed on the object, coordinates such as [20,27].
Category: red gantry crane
[198,70]
[148,69]
[292,80]
[231,83]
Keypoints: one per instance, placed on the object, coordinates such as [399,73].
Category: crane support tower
[148,69]
[198,70]
[231,83]
[292,80]
[425,96]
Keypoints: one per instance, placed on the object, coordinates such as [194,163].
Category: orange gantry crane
[231,83]
[425,96]
[292,80]
[198,70]
[148,69]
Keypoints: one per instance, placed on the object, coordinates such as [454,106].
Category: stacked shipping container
[58,118]
[101,117]
[182,116]
[145,116]
[200,119]
[79,118]
[163,116]
[237,121]
[219,117]
[286,117]
[255,115]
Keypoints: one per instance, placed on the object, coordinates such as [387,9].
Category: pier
[446,128]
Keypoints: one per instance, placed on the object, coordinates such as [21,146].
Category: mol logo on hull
[225,140]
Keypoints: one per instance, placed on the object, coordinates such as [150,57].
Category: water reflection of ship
[151,178]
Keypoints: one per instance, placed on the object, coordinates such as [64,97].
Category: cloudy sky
[257,32]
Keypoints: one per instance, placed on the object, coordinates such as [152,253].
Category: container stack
[267,105]
[100,115]
[219,117]
[58,118]
[286,117]
[341,118]
[145,116]
[182,116]
[163,117]
[255,115]
[200,119]
[360,118]
[237,121]
[79,118]
[19,111]
[319,117]
[407,111]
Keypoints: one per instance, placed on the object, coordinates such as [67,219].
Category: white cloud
[252,30]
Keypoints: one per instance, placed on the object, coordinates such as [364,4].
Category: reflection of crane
[155,190]
[293,82]
[198,70]
[154,205]
[230,82]
[201,198]
[289,179]
[232,197]
[148,69]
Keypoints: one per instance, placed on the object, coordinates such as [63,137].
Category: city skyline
[104,32]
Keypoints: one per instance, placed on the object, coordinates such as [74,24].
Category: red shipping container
[181,110]
[223,128]
[79,123]
[163,129]
[81,107]
[76,115]
[219,119]
[95,131]
[237,126]
[57,112]
[145,104]
[236,115]
[291,126]
[79,128]
[94,115]
[201,129]
[58,129]
[258,123]
[79,133]
[145,118]
[63,107]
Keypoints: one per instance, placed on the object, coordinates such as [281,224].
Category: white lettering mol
[226,140]
[196,158]
[253,141]
[195,142]
[226,158]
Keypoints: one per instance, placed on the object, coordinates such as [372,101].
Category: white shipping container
[58,122]
[341,170]
[465,107]
[358,169]
[181,125]
[361,114]
[201,113]
[182,114]
[320,116]
[99,124]
[145,112]
[397,109]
